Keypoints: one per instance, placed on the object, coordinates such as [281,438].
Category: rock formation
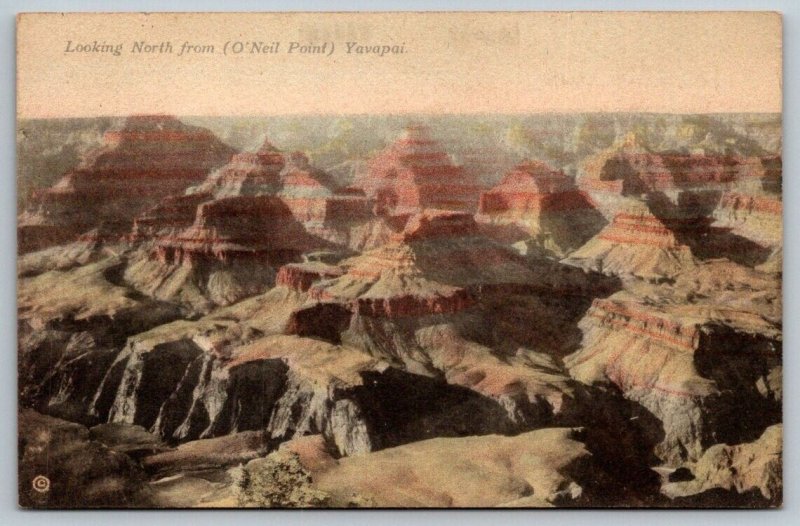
[630,169]
[147,159]
[541,468]
[413,174]
[231,251]
[755,217]
[545,205]
[427,269]
[706,369]
[636,243]
[247,173]
[750,467]
[71,325]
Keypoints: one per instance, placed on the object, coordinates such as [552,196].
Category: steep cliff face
[705,369]
[71,325]
[543,204]
[147,159]
[628,168]
[300,276]
[220,384]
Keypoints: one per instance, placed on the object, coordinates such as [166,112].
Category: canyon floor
[552,311]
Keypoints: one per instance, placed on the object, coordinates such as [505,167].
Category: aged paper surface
[400,259]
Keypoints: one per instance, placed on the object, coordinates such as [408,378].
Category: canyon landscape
[400,311]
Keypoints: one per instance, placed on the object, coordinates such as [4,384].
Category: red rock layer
[687,364]
[302,182]
[637,348]
[247,173]
[149,158]
[630,318]
[755,217]
[326,210]
[400,306]
[251,173]
[299,174]
[300,276]
[415,174]
[640,346]
[638,229]
[260,227]
[410,305]
[533,187]
[751,203]
[434,266]
[313,199]
[633,170]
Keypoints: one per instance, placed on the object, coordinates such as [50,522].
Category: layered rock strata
[755,217]
[635,243]
[147,159]
[230,251]
[247,173]
[545,205]
[707,371]
[414,173]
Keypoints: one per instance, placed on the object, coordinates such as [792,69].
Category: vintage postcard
[399,260]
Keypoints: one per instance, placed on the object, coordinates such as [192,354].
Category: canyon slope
[584,312]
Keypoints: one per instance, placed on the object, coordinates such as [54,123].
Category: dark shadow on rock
[722,498]
[253,390]
[736,361]
[682,474]
[691,221]
[163,368]
[542,315]
[619,168]
[324,321]
[401,407]
[621,435]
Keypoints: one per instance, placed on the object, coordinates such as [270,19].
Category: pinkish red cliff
[414,174]
[146,160]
